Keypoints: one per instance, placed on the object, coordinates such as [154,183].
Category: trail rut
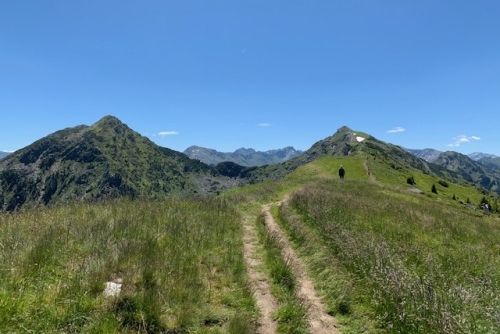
[259,283]
[320,322]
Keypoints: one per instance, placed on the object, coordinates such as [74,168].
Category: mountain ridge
[108,159]
[243,156]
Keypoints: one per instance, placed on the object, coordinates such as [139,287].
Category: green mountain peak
[106,159]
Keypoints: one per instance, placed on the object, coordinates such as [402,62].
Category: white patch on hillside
[360,139]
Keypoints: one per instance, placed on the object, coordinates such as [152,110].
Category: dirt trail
[259,283]
[320,322]
[369,172]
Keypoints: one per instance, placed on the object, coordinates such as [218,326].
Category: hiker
[486,209]
[341,172]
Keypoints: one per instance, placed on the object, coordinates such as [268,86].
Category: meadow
[406,262]
[384,259]
[180,261]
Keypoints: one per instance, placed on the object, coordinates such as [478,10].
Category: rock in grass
[113,288]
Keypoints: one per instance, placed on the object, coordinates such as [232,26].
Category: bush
[443,183]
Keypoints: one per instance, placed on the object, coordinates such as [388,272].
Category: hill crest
[106,159]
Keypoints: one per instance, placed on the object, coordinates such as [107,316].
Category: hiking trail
[259,282]
[320,322]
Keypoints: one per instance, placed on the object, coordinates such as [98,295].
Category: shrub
[443,183]
[411,180]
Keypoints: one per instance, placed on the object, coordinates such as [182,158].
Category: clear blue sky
[260,74]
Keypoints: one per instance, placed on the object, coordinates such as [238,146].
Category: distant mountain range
[3,154]
[243,156]
[108,159]
[431,155]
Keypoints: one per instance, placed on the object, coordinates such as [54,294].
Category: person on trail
[341,172]
[486,209]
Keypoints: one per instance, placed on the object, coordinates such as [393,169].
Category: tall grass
[291,313]
[419,265]
[181,263]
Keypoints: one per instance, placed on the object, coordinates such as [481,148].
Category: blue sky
[262,74]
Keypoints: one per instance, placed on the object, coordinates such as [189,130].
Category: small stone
[113,289]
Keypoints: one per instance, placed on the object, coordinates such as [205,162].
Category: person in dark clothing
[341,172]
[486,209]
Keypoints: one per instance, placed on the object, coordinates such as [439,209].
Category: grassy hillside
[385,258]
[180,261]
[389,259]
[420,265]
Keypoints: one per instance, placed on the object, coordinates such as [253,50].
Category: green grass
[181,263]
[291,313]
[421,266]
[385,260]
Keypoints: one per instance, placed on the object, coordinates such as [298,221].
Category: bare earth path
[259,283]
[320,322]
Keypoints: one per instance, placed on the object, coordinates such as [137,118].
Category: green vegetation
[181,264]
[386,255]
[291,314]
[420,265]
[101,161]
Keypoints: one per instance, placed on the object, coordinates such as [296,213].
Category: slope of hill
[490,161]
[346,142]
[478,156]
[343,142]
[474,172]
[476,168]
[386,258]
[367,242]
[107,159]
[481,168]
[3,154]
[243,156]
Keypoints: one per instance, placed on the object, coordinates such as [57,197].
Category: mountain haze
[428,154]
[243,156]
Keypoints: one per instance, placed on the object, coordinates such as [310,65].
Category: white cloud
[396,130]
[264,125]
[167,133]
[462,139]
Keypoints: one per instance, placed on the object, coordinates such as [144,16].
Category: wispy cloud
[462,139]
[264,125]
[167,133]
[396,130]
